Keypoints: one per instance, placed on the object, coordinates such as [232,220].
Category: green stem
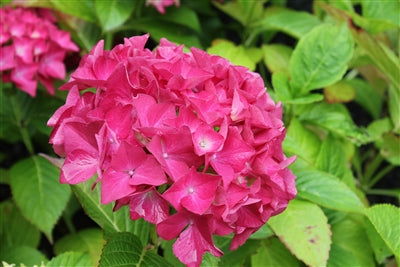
[379,176]
[70,224]
[371,168]
[383,192]
[22,128]
[108,39]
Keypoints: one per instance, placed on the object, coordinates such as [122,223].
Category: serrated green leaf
[209,260]
[125,249]
[304,230]
[235,54]
[293,23]
[22,255]
[320,58]
[70,259]
[327,190]
[367,96]
[277,57]
[88,240]
[385,218]
[301,141]
[111,222]
[381,250]
[38,193]
[334,118]
[85,9]
[15,229]
[339,257]
[280,83]
[273,253]
[349,236]
[385,12]
[114,13]
[304,100]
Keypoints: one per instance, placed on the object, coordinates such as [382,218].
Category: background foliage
[334,65]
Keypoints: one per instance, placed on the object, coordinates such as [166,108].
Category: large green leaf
[111,222]
[15,230]
[294,23]
[114,13]
[71,259]
[382,15]
[336,119]
[273,253]
[327,191]
[381,250]
[320,58]
[385,218]
[302,142]
[85,9]
[183,16]
[22,255]
[38,193]
[394,107]
[349,236]
[237,257]
[332,159]
[88,240]
[238,55]
[277,57]
[125,249]
[242,10]
[304,229]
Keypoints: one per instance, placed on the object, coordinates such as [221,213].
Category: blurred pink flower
[32,48]
[160,5]
[189,141]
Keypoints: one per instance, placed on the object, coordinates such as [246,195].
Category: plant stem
[70,225]
[380,175]
[371,169]
[383,192]
[22,129]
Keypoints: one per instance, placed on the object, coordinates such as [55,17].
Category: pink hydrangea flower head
[32,48]
[189,141]
[160,5]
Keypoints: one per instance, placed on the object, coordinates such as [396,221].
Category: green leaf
[263,233]
[339,257]
[15,230]
[350,236]
[70,259]
[304,100]
[280,83]
[327,190]
[332,159]
[394,107]
[273,253]
[111,222]
[339,92]
[38,193]
[242,10]
[293,23]
[235,54]
[320,58]
[114,13]
[86,33]
[209,260]
[237,257]
[336,119]
[381,250]
[367,96]
[385,13]
[389,145]
[159,28]
[125,249]
[88,240]
[385,218]
[183,16]
[22,255]
[301,141]
[85,9]
[378,127]
[304,229]
[277,57]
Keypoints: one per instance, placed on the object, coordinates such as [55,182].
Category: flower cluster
[32,48]
[189,141]
[160,5]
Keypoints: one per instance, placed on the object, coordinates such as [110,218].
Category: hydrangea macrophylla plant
[189,141]
[32,48]
[160,5]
